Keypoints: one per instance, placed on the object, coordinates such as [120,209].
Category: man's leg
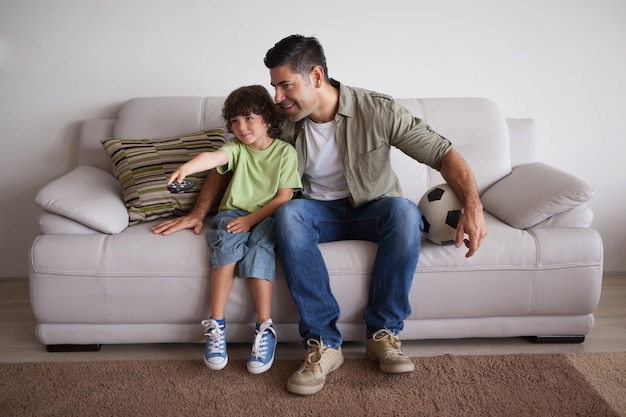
[395,223]
[300,226]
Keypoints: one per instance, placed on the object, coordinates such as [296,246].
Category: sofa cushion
[86,195]
[579,216]
[142,166]
[53,224]
[534,192]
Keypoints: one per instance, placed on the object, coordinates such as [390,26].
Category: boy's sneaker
[320,361]
[384,347]
[215,356]
[262,356]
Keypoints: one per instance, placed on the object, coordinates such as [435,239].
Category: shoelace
[214,333]
[383,334]
[259,347]
[314,355]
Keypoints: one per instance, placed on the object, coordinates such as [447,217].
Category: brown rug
[499,385]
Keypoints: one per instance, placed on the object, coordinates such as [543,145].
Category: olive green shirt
[368,125]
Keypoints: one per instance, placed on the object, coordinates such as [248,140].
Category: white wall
[561,62]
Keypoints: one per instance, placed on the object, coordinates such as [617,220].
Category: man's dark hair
[253,99]
[301,53]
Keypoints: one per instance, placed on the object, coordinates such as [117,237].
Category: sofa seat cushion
[114,279]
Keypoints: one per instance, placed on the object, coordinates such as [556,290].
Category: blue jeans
[395,223]
[254,250]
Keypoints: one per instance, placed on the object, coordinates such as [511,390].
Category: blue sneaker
[215,356]
[262,356]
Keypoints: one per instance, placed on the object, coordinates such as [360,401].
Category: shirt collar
[346,100]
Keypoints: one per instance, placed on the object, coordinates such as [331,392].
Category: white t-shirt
[323,178]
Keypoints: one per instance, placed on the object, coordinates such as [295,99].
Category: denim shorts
[255,250]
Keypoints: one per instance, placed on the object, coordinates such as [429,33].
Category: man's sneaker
[320,361]
[262,356]
[384,347]
[215,356]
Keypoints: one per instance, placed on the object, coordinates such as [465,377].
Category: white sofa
[96,280]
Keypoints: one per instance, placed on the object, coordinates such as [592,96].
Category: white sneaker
[320,361]
[384,347]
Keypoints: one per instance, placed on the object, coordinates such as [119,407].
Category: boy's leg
[265,339]
[222,279]
[259,260]
[259,265]
[262,294]
[227,248]
[215,354]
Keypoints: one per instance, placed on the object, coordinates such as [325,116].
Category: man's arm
[459,176]
[212,192]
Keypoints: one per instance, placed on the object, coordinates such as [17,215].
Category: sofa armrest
[533,193]
[89,196]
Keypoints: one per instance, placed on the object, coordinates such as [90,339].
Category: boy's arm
[211,193]
[202,162]
[245,223]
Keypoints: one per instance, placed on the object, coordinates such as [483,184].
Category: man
[343,136]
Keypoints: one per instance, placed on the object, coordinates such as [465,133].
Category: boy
[265,175]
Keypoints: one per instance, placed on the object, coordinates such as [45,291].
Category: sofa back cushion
[155,117]
[477,130]
[475,126]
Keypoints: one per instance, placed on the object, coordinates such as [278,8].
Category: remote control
[181,187]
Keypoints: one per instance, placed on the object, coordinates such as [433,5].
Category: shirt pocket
[373,165]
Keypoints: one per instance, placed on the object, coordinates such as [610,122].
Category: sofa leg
[556,339]
[73,348]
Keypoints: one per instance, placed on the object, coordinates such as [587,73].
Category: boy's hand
[177,176]
[240,225]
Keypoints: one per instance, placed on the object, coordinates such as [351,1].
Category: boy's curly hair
[253,99]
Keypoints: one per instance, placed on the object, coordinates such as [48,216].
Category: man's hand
[458,175]
[472,223]
[170,226]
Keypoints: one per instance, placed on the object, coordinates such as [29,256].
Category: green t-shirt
[258,175]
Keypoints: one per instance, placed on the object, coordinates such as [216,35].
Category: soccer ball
[441,210]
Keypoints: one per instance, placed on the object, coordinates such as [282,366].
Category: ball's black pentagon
[426,225]
[453,217]
[436,194]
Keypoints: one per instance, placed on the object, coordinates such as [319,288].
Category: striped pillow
[142,166]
